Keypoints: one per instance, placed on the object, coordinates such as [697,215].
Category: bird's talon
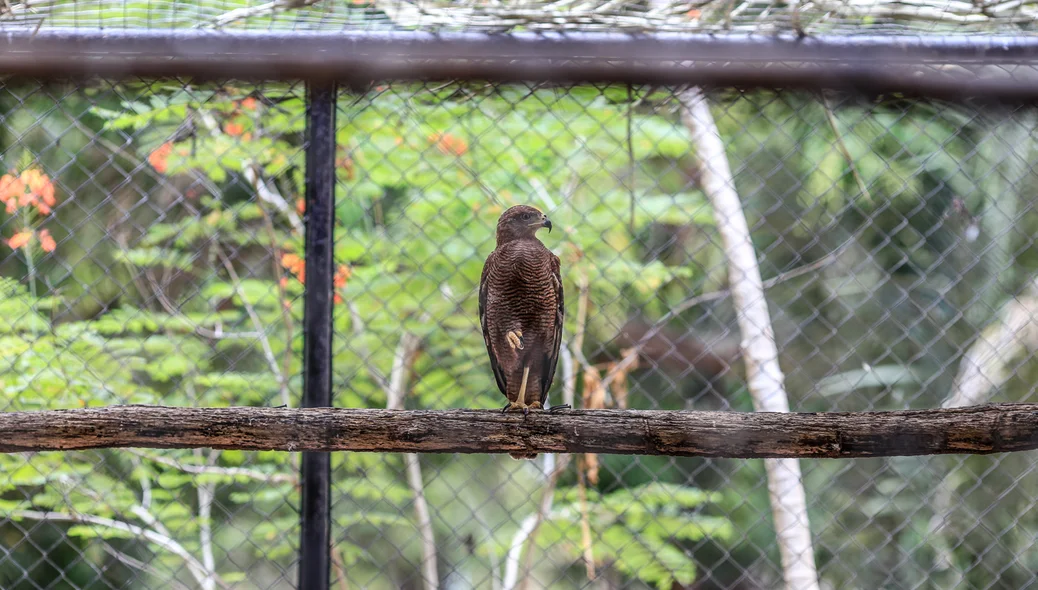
[559,407]
[515,339]
[515,406]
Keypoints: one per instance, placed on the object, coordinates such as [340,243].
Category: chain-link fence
[153,253]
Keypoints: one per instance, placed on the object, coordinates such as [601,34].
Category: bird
[521,311]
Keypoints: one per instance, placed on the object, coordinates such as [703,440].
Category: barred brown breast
[521,310]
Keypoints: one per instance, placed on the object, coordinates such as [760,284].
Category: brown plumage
[521,309]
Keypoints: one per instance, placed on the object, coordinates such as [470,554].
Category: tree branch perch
[992,428]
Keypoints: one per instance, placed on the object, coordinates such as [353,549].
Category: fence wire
[891,17]
[153,253]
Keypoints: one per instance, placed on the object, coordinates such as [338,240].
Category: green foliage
[204,306]
[639,530]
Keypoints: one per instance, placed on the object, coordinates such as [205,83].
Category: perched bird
[521,310]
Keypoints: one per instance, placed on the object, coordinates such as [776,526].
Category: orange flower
[346,163]
[158,158]
[11,188]
[41,187]
[20,239]
[449,144]
[290,261]
[341,275]
[295,265]
[233,129]
[47,241]
[30,188]
[248,103]
[301,206]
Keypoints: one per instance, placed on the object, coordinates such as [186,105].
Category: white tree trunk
[395,393]
[764,377]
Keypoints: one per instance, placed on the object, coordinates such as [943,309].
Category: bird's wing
[560,314]
[499,375]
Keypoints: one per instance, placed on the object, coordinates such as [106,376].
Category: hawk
[521,310]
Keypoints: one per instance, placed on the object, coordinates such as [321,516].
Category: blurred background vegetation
[152,253]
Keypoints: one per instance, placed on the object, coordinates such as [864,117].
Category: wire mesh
[896,17]
[153,249]
[143,236]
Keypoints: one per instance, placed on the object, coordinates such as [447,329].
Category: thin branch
[361,349]
[340,569]
[576,346]
[228,472]
[628,180]
[585,523]
[266,193]
[530,540]
[268,8]
[994,428]
[515,550]
[268,351]
[144,567]
[206,495]
[198,571]
[403,359]
[526,535]
[986,365]
[764,377]
[198,329]
[633,352]
[840,145]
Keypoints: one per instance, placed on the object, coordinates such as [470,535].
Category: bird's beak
[547,223]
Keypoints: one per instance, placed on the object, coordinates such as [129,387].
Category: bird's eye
[526,216]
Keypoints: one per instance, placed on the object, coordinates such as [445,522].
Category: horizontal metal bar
[871,64]
[344,47]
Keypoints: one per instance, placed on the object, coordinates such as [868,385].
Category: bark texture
[992,428]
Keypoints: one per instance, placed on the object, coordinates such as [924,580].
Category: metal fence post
[314,546]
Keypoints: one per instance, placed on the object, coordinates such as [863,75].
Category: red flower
[158,158]
[11,189]
[295,265]
[449,144]
[46,241]
[20,239]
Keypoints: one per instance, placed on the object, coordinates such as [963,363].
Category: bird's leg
[522,391]
[520,402]
[515,339]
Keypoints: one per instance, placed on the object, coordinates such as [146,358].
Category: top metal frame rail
[945,67]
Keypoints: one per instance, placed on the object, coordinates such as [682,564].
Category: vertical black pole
[315,544]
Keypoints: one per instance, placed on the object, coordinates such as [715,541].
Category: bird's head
[520,222]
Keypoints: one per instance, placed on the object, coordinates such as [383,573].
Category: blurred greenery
[177,280]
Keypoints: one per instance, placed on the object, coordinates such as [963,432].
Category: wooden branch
[984,429]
